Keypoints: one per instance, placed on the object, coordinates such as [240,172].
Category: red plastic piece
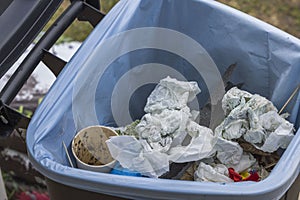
[236,177]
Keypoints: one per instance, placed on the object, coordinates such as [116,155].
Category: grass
[79,30]
[106,5]
[284,14]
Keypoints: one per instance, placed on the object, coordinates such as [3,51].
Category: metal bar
[90,14]
[26,21]
[11,119]
[94,3]
[23,72]
[54,63]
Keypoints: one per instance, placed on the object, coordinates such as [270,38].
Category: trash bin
[137,44]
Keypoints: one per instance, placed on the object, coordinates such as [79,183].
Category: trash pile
[167,142]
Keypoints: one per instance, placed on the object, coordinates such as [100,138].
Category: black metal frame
[20,23]
[11,119]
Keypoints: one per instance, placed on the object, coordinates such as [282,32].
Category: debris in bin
[251,175]
[289,99]
[212,173]
[205,111]
[253,123]
[188,175]
[129,129]
[90,150]
[266,159]
[67,153]
[167,113]
[137,155]
[247,147]
[255,119]
[167,123]
[168,143]
[118,169]
[176,170]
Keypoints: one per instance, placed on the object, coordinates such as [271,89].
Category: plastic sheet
[137,44]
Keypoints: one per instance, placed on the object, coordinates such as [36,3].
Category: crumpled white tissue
[218,173]
[171,94]
[168,122]
[159,129]
[255,119]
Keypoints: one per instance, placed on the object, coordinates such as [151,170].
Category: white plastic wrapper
[228,152]
[202,145]
[280,138]
[279,131]
[218,173]
[255,119]
[231,155]
[246,161]
[137,155]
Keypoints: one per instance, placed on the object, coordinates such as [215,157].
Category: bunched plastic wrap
[137,44]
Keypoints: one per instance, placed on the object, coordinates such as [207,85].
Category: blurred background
[284,14]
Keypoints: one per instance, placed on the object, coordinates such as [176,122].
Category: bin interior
[267,64]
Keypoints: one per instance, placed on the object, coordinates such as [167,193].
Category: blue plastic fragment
[118,169]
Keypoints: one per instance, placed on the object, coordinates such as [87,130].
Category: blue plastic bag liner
[140,42]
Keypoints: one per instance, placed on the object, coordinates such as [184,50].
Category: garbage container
[135,45]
